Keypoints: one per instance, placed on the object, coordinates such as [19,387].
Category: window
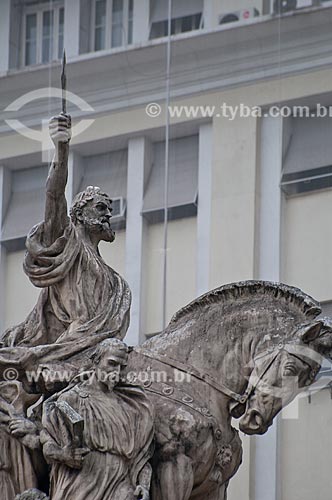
[182,184]
[180,25]
[113,23]
[109,171]
[186,16]
[307,155]
[43,34]
[26,202]
[284,6]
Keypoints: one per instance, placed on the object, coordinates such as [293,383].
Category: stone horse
[227,354]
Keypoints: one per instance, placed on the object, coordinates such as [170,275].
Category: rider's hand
[60,129]
[72,457]
[19,427]
[142,493]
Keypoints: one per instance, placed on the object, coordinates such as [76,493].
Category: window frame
[109,25]
[39,10]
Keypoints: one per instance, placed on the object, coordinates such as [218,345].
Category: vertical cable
[280,140]
[49,106]
[165,242]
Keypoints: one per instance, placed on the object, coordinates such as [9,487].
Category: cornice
[233,56]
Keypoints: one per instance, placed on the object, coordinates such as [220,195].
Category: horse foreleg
[219,494]
[174,479]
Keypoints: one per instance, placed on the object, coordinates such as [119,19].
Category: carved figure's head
[111,355]
[280,372]
[93,209]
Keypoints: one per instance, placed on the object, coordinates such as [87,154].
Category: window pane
[99,38]
[117,6]
[197,21]
[117,23]
[116,36]
[130,21]
[30,53]
[100,25]
[47,44]
[48,23]
[186,23]
[61,30]
[159,29]
[178,25]
[100,13]
[31,27]
[47,50]
[31,39]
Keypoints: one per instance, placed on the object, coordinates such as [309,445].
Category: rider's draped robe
[14,480]
[118,429]
[82,302]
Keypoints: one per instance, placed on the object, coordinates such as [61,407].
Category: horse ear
[311,332]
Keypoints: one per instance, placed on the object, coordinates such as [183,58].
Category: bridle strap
[306,352]
[190,370]
[204,377]
[282,347]
[252,387]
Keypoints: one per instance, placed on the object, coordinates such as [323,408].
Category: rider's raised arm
[56,218]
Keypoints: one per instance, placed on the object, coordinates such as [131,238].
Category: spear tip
[64,62]
[64,82]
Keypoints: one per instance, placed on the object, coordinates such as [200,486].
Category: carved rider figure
[82,301]
[112,458]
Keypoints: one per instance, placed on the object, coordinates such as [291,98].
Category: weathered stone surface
[32,494]
[242,345]
[82,303]
[111,457]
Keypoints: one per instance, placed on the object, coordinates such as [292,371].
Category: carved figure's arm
[56,218]
[26,431]
[72,457]
[18,426]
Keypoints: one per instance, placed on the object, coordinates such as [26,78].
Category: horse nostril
[253,423]
[257,418]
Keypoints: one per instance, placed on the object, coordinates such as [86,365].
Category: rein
[291,349]
[204,377]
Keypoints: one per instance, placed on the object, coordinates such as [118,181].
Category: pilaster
[139,164]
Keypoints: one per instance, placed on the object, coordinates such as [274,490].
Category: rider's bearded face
[97,215]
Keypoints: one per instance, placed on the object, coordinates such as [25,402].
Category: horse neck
[216,347]
[236,364]
[222,357]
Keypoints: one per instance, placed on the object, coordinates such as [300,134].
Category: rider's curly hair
[81,199]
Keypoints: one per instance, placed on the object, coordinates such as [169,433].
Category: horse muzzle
[253,422]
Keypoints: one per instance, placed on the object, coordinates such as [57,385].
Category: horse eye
[290,370]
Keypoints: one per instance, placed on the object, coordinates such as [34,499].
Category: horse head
[282,369]
[258,340]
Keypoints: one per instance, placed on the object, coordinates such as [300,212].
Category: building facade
[249,84]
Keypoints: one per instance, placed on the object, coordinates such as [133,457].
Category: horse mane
[306,304]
